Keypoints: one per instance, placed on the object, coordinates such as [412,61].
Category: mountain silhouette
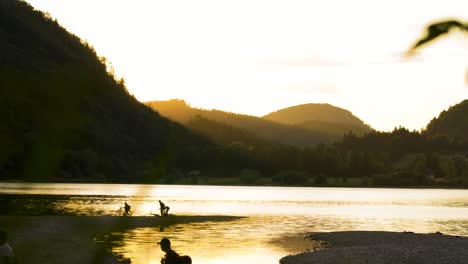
[324,118]
[65,116]
[305,133]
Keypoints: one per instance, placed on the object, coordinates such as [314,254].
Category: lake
[274,217]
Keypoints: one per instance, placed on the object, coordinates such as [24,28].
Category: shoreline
[360,247]
[71,239]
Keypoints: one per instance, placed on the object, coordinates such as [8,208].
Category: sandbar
[360,247]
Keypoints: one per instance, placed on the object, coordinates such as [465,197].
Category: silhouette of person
[127,208]
[6,253]
[163,208]
[171,256]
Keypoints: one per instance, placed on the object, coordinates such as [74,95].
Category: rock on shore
[364,247]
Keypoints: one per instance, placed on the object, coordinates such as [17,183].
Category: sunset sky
[254,57]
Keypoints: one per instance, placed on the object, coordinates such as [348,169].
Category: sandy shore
[383,248]
[70,239]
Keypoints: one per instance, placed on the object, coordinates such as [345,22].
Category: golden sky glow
[254,57]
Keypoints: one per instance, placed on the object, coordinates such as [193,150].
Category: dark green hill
[180,111]
[63,115]
[323,118]
[270,156]
[451,124]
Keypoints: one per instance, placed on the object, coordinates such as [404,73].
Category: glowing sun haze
[254,57]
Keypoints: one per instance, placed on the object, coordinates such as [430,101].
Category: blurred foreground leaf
[437,29]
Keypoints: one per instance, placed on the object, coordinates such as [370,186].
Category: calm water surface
[275,216]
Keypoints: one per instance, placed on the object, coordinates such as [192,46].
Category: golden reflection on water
[248,240]
[262,240]
[272,214]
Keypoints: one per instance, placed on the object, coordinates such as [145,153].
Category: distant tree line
[397,158]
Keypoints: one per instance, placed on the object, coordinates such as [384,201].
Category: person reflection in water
[163,208]
[171,256]
[162,227]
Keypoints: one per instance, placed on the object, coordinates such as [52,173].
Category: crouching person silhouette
[163,208]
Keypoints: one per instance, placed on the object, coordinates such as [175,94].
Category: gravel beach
[70,239]
[363,247]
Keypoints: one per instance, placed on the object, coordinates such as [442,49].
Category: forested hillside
[64,115]
[304,134]
[451,124]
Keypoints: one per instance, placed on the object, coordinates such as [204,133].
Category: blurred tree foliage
[436,30]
